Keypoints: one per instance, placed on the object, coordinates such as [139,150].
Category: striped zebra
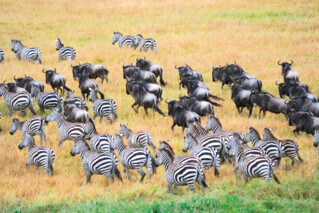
[102,107]
[144,44]
[254,166]
[38,155]
[215,125]
[1,56]
[180,174]
[16,101]
[78,101]
[0,118]
[68,130]
[127,41]
[46,100]
[208,156]
[291,148]
[33,126]
[65,53]
[25,53]
[217,141]
[137,139]
[134,158]
[96,163]
[272,148]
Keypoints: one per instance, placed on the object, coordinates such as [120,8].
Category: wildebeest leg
[250,111]
[242,108]
[173,125]
[264,111]
[83,95]
[260,113]
[223,86]
[145,109]
[238,109]
[133,107]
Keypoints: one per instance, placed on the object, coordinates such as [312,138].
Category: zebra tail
[117,173]
[50,160]
[300,159]
[154,46]
[161,79]
[153,164]
[39,56]
[275,177]
[114,112]
[203,179]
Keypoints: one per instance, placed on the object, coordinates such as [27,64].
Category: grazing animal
[137,139]
[134,158]
[144,64]
[181,116]
[27,83]
[242,99]
[304,121]
[12,87]
[296,91]
[16,101]
[33,126]
[135,73]
[208,156]
[180,174]
[93,71]
[202,108]
[288,74]
[78,101]
[284,88]
[73,113]
[127,41]
[254,166]
[1,56]
[46,100]
[96,163]
[150,87]
[38,155]
[187,71]
[102,107]
[65,53]
[22,52]
[291,148]
[316,138]
[85,84]
[248,83]
[273,148]
[55,79]
[145,44]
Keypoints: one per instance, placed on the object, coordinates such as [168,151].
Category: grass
[200,33]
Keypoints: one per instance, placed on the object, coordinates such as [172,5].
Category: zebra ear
[271,129]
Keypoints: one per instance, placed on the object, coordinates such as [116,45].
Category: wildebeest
[242,98]
[150,87]
[187,81]
[297,91]
[268,102]
[288,74]
[93,71]
[181,116]
[78,101]
[136,73]
[202,94]
[145,99]
[188,71]
[309,105]
[144,64]
[12,87]
[27,83]
[55,79]
[284,88]
[304,121]
[73,113]
[202,108]
[85,83]
[249,83]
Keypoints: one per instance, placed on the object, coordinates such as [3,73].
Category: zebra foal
[38,155]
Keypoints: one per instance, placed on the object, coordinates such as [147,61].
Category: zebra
[1,56]
[102,107]
[78,101]
[46,100]
[68,130]
[38,155]
[96,163]
[254,166]
[16,101]
[291,148]
[180,174]
[134,158]
[137,139]
[123,40]
[33,126]
[217,141]
[208,156]
[272,148]
[65,53]
[26,53]
[215,125]
[0,118]
[145,44]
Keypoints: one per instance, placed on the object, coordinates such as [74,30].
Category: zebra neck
[127,133]
[59,120]
[94,97]
[193,145]
[255,140]
[167,161]
[31,145]
[239,153]
[84,151]
[36,93]
[19,125]
[4,93]
[121,147]
[217,128]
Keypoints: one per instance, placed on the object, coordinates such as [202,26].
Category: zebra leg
[246,178]
[38,169]
[101,118]
[23,113]
[109,176]
[149,168]
[142,173]
[10,111]
[174,189]
[191,187]
[260,113]
[61,141]
[169,186]
[109,118]
[236,171]
[88,177]
[94,117]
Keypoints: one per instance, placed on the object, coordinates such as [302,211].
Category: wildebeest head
[285,66]
[218,74]
[75,71]
[172,106]
[49,75]
[142,63]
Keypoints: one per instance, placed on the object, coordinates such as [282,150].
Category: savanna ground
[200,33]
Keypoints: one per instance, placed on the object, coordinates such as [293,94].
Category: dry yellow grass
[200,33]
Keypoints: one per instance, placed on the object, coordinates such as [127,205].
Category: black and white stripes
[1,56]
[65,53]
[22,52]
[46,100]
[134,42]
[127,41]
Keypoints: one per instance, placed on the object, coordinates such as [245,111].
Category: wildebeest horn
[71,65]
[123,65]
[144,58]
[25,75]
[279,63]
[54,69]
[137,59]
[43,70]
[4,82]
[14,77]
[235,63]
[291,62]
[176,67]
[276,83]
[166,100]
[213,67]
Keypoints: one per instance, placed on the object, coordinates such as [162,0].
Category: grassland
[200,33]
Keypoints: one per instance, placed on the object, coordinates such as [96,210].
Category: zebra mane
[167,146]
[84,142]
[270,133]
[198,126]
[252,128]
[118,33]
[218,121]
[139,35]
[169,152]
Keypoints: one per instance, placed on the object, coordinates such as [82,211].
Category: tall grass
[200,33]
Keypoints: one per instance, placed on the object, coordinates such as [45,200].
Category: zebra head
[316,137]
[3,88]
[137,40]
[116,37]
[159,157]
[117,142]
[13,45]
[59,44]
[93,95]
[27,139]
[251,134]
[79,146]
[234,141]
[212,122]
[14,124]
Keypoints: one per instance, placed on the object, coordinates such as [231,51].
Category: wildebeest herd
[205,149]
